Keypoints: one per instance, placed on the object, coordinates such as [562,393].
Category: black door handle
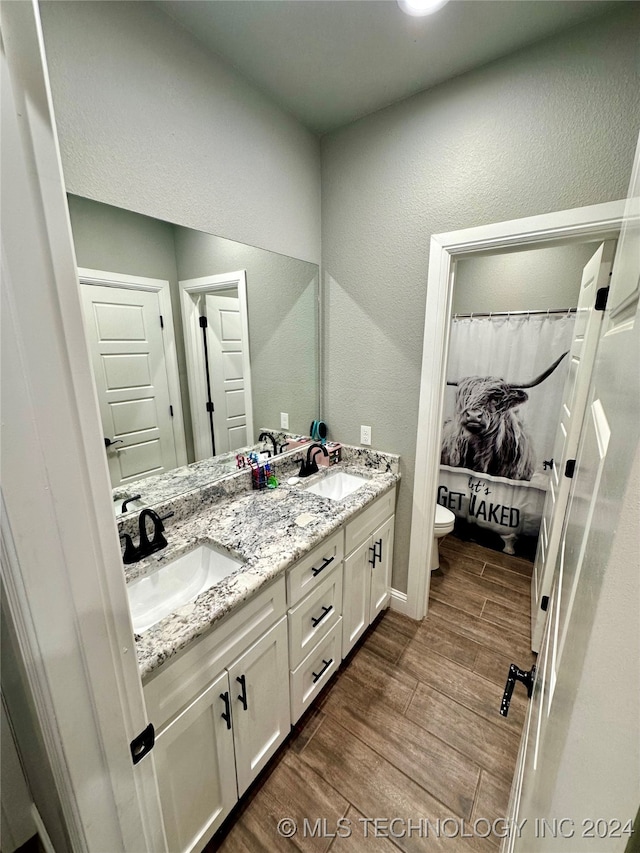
[108,442]
[243,696]
[226,715]
[321,568]
[515,674]
[325,612]
[318,675]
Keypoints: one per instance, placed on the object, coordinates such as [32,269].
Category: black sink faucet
[311,466]
[267,435]
[133,553]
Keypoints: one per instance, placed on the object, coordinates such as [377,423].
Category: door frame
[594,222]
[61,567]
[162,287]
[195,358]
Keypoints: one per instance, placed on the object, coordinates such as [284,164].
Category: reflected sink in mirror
[337,486]
[179,582]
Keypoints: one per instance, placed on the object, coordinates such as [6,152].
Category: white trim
[42,830]
[594,222]
[398,602]
[100,278]
[195,359]
[68,597]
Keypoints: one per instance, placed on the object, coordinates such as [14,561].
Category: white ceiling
[330,62]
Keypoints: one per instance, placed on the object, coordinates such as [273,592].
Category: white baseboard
[399,602]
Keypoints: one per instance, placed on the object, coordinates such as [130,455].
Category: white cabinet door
[259,682]
[357,593]
[196,770]
[382,543]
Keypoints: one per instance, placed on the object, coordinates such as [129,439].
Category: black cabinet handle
[372,560]
[378,553]
[317,571]
[318,675]
[325,612]
[515,674]
[243,696]
[226,715]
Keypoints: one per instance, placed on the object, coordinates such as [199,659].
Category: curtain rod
[513,313]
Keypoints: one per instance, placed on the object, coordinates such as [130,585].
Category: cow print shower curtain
[505,381]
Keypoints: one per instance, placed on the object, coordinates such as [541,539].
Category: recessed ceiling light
[417,8]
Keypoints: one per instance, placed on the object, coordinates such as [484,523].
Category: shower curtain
[500,418]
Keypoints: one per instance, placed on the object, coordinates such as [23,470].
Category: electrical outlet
[284,420]
[365,435]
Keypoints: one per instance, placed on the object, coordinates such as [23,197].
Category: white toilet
[445,520]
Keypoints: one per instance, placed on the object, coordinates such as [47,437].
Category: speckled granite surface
[262,528]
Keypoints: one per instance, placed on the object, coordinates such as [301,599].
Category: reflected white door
[127,348]
[227,358]
[582,356]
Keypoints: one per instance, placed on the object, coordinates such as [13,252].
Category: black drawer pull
[515,674]
[372,560]
[226,716]
[325,612]
[317,571]
[243,696]
[378,552]
[318,675]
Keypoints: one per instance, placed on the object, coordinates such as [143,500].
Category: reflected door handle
[515,674]
[109,442]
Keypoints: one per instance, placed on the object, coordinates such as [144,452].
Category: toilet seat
[444,517]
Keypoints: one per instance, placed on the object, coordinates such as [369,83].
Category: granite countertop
[270,530]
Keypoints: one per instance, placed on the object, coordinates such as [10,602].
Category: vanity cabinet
[221,711]
[367,568]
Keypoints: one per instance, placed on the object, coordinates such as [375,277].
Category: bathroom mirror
[180,395]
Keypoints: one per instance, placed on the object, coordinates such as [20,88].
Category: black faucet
[267,435]
[133,553]
[311,466]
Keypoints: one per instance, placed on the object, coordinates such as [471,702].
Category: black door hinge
[161,322]
[570,468]
[544,604]
[203,322]
[143,744]
[601,298]
[171,410]
[209,407]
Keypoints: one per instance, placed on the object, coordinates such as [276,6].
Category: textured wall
[150,121]
[521,281]
[549,128]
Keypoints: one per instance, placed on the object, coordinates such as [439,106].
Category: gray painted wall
[283,328]
[549,128]
[521,281]
[148,120]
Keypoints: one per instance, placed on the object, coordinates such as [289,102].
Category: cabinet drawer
[372,517]
[313,569]
[182,678]
[314,616]
[315,671]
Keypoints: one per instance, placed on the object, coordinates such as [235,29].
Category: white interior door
[227,359]
[581,753]
[125,332]
[582,356]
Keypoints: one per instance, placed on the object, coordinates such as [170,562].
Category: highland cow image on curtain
[505,382]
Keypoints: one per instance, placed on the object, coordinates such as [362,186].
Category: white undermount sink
[155,596]
[337,486]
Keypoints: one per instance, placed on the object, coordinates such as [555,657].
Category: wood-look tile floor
[410,727]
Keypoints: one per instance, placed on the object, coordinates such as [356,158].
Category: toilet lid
[444,516]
